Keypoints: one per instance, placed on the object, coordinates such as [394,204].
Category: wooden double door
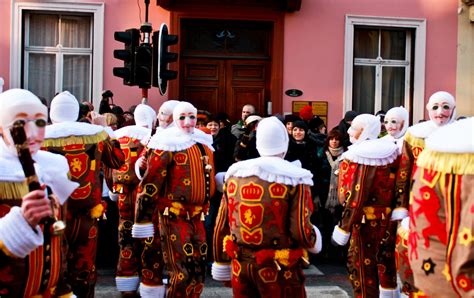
[225,65]
[225,85]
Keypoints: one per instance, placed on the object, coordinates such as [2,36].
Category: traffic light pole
[146,57]
[146,28]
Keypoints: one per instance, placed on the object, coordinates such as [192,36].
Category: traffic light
[131,39]
[162,58]
[143,61]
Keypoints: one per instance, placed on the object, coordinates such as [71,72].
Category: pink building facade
[363,55]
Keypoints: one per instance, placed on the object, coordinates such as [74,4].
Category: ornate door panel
[224,85]
[225,64]
[245,83]
[203,83]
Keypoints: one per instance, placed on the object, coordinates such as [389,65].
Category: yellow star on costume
[466,236]
[173,237]
[446,272]
[163,173]
[186,182]
[403,174]
[288,274]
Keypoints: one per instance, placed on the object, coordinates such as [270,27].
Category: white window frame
[97,11]
[419,25]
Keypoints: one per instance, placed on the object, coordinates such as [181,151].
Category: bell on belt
[58,227]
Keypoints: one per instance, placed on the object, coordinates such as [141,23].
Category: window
[381,69]
[58,46]
[58,54]
[384,65]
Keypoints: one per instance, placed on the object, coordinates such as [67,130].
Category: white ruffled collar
[397,141]
[271,169]
[174,139]
[67,129]
[51,169]
[376,152]
[423,130]
[140,133]
[453,138]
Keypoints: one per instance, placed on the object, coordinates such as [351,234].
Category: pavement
[323,281]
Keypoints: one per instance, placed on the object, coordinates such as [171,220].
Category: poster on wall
[320,108]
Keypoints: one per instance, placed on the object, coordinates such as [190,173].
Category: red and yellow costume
[132,141]
[87,148]
[263,229]
[441,239]
[366,190]
[413,145]
[31,260]
[174,195]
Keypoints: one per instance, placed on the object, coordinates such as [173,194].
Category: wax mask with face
[165,113]
[185,116]
[20,105]
[396,122]
[441,108]
[354,133]
[364,127]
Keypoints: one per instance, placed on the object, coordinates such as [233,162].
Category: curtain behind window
[373,48]
[58,43]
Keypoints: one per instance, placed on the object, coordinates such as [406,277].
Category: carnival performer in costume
[442,213]
[31,253]
[366,190]
[175,190]
[165,120]
[263,229]
[396,124]
[87,148]
[441,110]
[133,140]
[165,114]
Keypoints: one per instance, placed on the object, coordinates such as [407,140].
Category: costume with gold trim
[441,236]
[133,140]
[174,195]
[88,148]
[263,228]
[413,145]
[31,259]
[366,191]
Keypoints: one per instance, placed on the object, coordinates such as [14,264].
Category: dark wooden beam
[287,5]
